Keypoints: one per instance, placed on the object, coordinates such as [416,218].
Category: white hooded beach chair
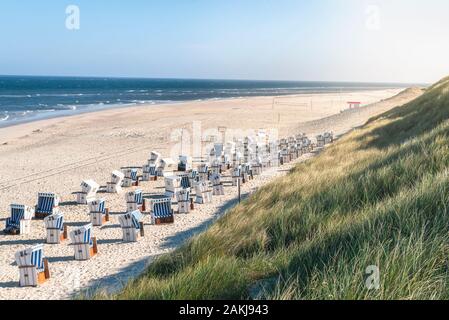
[217,185]
[115,186]
[184,202]
[185,163]
[135,201]
[89,189]
[155,158]
[98,212]
[149,173]
[236,175]
[131,178]
[328,137]
[85,246]
[33,267]
[161,211]
[257,166]
[320,141]
[47,204]
[172,186]
[203,172]
[56,230]
[285,156]
[132,226]
[247,172]
[193,177]
[203,192]
[20,220]
[167,167]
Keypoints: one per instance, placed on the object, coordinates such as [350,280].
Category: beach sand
[55,155]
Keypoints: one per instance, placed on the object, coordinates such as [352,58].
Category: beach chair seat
[132,226]
[56,229]
[47,204]
[85,246]
[217,185]
[131,178]
[161,211]
[89,189]
[135,201]
[185,203]
[115,186]
[149,173]
[202,192]
[33,267]
[20,220]
[99,214]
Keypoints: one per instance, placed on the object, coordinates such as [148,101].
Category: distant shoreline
[59,114]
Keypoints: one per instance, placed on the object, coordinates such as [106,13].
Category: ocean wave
[5,118]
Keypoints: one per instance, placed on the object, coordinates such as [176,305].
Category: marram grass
[378,197]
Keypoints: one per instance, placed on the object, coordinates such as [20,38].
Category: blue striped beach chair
[56,229]
[246,172]
[185,180]
[131,178]
[47,204]
[135,201]
[33,267]
[161,211]
[20,220]
[149,173]
[98,212]
[184,202]
[132,226]
[85,245]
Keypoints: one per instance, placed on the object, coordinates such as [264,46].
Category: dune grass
[379,196]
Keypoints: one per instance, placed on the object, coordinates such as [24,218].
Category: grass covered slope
[379,196]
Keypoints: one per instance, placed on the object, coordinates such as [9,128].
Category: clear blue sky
[341,40]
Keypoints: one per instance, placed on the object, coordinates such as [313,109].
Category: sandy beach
[55,155]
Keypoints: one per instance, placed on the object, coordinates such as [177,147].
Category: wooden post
[65,232]
[192,206]
[46,269]
[142,231]
[238,185]
[94,240]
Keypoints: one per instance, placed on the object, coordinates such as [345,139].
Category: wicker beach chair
[98,212]
[56,229]
[33,267]
[85,246]
[135,201]
[161,211]
[115,186]
[20,220]
[132,226]
[47,204]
